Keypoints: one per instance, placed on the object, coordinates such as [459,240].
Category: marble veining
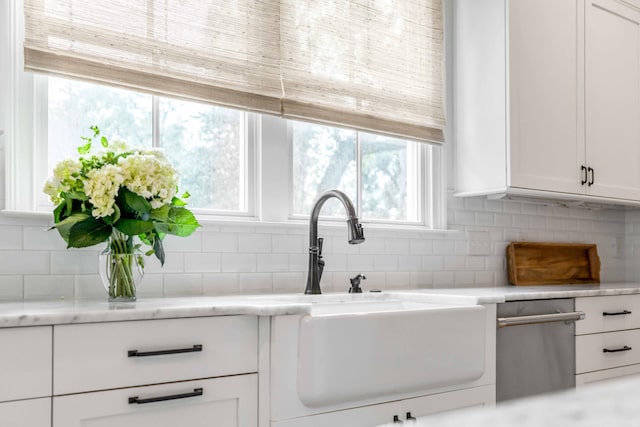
[14,314]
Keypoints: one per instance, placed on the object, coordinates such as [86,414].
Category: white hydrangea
[101,186]
[63,174]
[150,176]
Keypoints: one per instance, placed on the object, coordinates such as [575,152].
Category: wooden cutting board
[533,263]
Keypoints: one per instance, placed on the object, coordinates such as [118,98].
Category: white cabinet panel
[613,98]
[96,356]
[606,375]
[26,413]
[608,350]
[546,148]
[608,313]
[25,362]
[225,402]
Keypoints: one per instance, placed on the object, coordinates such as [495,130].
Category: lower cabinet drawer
[26,413]
[606,375]
[220,402]
[608,313]
[25,363]
[100,356]
[607,350]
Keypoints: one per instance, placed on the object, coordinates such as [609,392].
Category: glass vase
[121,269]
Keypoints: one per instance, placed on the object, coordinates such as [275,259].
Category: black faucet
[355,284]
[356,235]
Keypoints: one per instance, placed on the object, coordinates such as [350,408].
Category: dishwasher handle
[540,318]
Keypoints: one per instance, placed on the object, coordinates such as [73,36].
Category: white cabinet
[26,413]
[25,373]
[612,97]
[415,409]
[608,339]
[164,373]
[548,98]
[99,356]
[221,402]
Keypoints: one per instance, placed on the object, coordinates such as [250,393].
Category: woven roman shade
[374,65]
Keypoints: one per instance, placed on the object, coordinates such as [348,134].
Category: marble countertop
[80,311]
[613,403]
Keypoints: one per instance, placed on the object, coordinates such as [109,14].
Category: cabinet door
[421,407]
[612,96]
[546,144]
[366,416]
[224,402]
[26,413]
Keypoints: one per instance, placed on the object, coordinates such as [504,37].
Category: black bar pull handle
[138,401]
[396,419]
[410,417]
[583,169]
[616,313]
[136,353]
[616,350]
[593,176]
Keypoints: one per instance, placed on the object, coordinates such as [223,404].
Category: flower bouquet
[112,195]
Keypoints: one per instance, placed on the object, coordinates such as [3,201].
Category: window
[270,168]
[207,144]
[380,174]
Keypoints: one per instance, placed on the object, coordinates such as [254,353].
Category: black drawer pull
[410,417]
[616,350]
[137,400]
[136,353]
[617,313]
[397,420]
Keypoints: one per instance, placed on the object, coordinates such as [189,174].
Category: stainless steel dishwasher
[535,347]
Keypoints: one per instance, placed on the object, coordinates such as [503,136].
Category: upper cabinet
[547,98]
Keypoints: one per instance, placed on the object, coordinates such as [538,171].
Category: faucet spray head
[356,233]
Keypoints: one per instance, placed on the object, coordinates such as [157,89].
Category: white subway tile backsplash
[41,238]
[11,287]
[182,285]
[241,263]
[89,286]
[385,262]
[205,262]
[289,282]
[397,246]
[224,259]
[48,287]
[256,283]
[410,263]
[219,242]
[10,237]
[25,262]
[254,243]
[359,263]
[288,244]
[272,263]
[221,284]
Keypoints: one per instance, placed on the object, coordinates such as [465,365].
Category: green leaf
[114,217]
[133,227]
[186,195]
[89,232]
[158,250]
[64,226]
[57,212]
[179,222]
[95,129]
[132,203]
[177,202]
[104,141]
[84,149]
[160,214]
